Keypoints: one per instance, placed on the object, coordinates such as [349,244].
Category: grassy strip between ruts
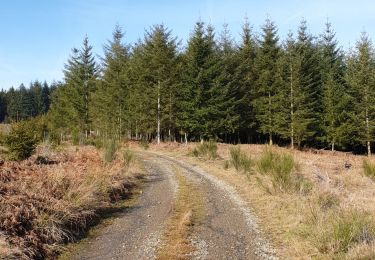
[188,210]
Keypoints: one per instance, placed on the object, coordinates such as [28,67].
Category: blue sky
[36,36]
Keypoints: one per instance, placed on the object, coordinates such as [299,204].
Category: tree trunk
[269,117]
[368,133]
[158,130]
[333,146]
[291,109]
[186,141]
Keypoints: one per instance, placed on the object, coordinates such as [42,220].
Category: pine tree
[267,86]
[332,71]
[45,98]
[202,97]
[3,106]
[159,58]
[108,106]
[310,81]
[227,85]
[297,117]
[360,77]
[245,78]
[72,101]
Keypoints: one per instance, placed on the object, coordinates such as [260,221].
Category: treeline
[302,91]
[23,103]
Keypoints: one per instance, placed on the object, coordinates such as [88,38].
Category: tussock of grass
[328,200]
[369,169]
[335,233]
[110,150]
[240,161]
[128,157]
[207,150]
[283,172]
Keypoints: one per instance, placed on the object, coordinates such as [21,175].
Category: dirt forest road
[227,231]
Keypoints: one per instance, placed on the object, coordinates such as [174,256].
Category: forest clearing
[147,131]
[312,204]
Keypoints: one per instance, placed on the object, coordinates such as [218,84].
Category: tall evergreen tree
[245,78]
[360,77]
[267,86]
[202,98]
[228,84]
[334,98]
[297,118]
[81,73]
[109,103]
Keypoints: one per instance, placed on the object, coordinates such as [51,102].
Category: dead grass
[46,205]
[339,189]
[187,211]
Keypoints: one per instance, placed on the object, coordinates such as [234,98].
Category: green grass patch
[240,161]
[369,169]
[206,150]
[110,150]
[336,232]
[283,172]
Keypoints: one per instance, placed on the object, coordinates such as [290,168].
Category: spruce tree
[155,82]
[266,102]
[72,101]
[108,107]
[310,81]
[360,78]
[332,71]
[227,85]
[245,79]
[202,97]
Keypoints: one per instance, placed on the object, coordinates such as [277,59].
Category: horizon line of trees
[302,91]
[22,103]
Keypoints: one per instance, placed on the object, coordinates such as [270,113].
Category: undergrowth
[44,206]
[369,169]
[337,233]
[206,150]
[110,149]
[282,171]
[240,161]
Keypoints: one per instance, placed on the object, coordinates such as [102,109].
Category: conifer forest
[301,91]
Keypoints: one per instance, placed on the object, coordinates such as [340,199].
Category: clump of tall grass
[144,144]
[207,150]
[241,161]
[369,169]
[336,232]
[128,157]
[110,150]
[283,172]
[328,200]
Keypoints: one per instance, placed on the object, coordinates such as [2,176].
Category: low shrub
[369,169]
[206,149]
[240,161]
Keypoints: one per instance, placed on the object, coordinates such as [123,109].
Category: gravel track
[228,230]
